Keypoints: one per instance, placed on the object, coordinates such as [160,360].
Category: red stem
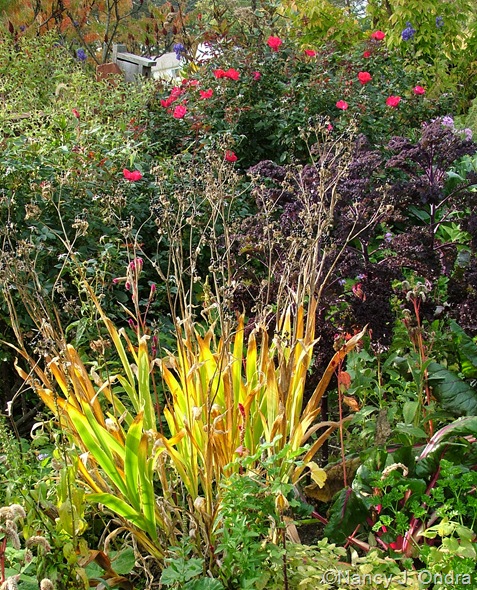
[3,546]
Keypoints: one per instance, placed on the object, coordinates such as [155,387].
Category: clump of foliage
[290,198]
[228,97]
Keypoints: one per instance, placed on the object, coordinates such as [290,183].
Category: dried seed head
[40,542]
[46,584]
[14,538]
[17,511]
[10,583]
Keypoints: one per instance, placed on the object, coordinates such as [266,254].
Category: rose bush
[267,99]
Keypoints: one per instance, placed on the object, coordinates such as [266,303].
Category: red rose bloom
[166,102]
[232,74]
[133,176]
[419,90]
[179,111]
[342,104]
[367,54]
[364,77]
[310,52]
[230,156]
[274,43]
[206,93]
[219,73]
[393,101]
[378,35]
[256,75]
[75,113]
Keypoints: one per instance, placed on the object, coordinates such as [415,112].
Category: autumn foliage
[95,25]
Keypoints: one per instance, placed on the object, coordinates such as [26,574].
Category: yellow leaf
[318,475]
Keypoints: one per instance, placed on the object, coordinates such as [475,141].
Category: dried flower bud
[40,542]
[200,504]
[281,503]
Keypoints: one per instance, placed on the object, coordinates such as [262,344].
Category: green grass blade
[96,448]
[131,462]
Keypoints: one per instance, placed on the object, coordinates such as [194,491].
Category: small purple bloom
[408,32]
[81,54]
[179,49]
[439,22]
[22,28]
[448,121]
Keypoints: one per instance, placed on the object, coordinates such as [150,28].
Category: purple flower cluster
[81,54]
[178,49]
[408,32]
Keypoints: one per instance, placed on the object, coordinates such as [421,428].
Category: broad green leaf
[204,584]
[347,512]
[180,571]
[467,347]
[411,430]
[123,561]
[409,410]
[455,395]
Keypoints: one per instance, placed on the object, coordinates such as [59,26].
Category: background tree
[93,26]
[438,37]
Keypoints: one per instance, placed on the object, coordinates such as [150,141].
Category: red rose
[342,104]
[310,52]
[206,93]
[419,90]
[167,101]
[219,73]
[274,43]
[378,35]
[232,74]
[393,101]
[364,77]
[256,75]
[367,54]
[75,113]
[133,176]
[230,156]
[179,111]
